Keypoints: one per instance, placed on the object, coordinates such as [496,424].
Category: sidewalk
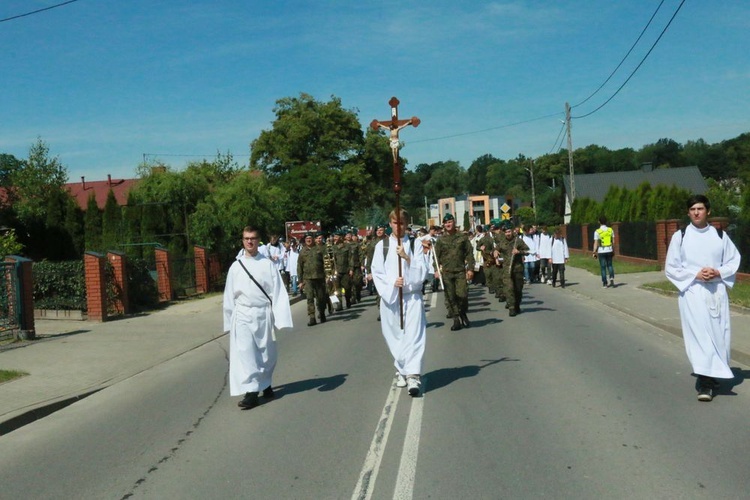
[72,359]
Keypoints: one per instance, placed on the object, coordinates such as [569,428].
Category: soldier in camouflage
[356,265]
[342,265]
[512,249]
[311,273]
[455,256]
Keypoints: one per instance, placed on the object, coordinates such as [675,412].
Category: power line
[37,11]
[637,67]
[486,129]
[625,57]
[559,136]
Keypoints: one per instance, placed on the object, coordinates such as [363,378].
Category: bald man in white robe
[250,316]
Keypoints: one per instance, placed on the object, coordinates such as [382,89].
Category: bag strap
[387,242]
[255,281]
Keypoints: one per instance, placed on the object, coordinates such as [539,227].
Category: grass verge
[8,375]
[585,261]
[739,295]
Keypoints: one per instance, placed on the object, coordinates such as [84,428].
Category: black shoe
[501,298]
[312,321]
[249,401]
[378,317]
[465,320]
[706,386]
[507,305]
[512,312]
[268,393]
[518,310]
[456,325]
[449,315]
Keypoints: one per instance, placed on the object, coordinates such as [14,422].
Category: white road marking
[407,469]
[368,475]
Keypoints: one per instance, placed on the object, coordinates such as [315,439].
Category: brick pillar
[664,231]
[585,238]
[214,269]
[201,269]
[616,230]
[719,222]
[119,263]
[26,296]
[96,296]
[163,274]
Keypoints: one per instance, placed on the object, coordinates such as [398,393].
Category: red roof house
[81,191]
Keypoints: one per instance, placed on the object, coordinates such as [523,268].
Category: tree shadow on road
[322,384]
[445,376]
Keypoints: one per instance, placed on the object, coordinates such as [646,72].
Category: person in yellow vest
[604,250]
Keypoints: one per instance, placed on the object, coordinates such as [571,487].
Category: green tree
[73,224]
[111,223]
[315,153]
[9,244]
[247,200]
[131,216]
[38,177]
[92,225]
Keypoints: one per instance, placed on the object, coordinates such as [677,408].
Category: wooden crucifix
[394,126]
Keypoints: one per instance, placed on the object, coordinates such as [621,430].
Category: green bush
[59,285]
[142,292]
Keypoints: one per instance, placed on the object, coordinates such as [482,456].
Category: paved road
[570,399]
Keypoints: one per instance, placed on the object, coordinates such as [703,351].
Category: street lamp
[533,191]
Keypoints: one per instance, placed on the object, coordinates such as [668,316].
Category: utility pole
[426,214]
[570,155]
[533,191]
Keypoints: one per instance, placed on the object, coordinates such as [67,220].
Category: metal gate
[10,300]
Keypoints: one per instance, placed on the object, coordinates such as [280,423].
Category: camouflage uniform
[487,246]
[342,266]
[311,273]
[513,273]
[455,255]
[356,266]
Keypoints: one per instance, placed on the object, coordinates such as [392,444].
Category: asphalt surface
[70,360]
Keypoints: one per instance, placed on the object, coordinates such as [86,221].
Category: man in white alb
[702,263]
[255,302]
[407,344]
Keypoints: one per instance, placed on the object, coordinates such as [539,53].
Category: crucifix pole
[394,126]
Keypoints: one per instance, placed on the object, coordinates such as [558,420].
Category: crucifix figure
[393,126]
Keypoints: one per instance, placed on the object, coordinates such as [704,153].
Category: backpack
[605,236]
[719,230]
[387,242]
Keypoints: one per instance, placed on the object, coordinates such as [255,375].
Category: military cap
[382,226]
[310,234]
[448,216]
[507,225]
[354,230]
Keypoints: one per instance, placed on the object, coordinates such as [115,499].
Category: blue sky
[104,82]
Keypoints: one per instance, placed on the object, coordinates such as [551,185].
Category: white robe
[249,320]
[704,306]
[407,346]
[559,251]
[545,246]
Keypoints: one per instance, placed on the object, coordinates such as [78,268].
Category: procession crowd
[397,263]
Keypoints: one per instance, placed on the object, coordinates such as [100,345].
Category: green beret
[448,216]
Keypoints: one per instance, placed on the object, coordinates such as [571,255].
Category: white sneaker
[414,384]
[549,282]
[400,380]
